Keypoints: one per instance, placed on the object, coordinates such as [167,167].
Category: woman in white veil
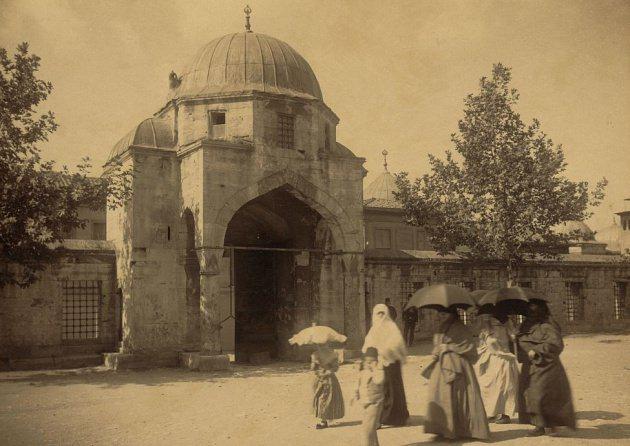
[385,336]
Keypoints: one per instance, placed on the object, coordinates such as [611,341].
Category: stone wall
[32,318]
[396,278]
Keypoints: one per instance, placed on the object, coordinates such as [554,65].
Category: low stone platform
[134,361]
[204,363]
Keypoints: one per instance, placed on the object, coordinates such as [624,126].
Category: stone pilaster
[209,284]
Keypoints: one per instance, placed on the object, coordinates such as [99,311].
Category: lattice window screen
[81,309]
[621,292]
[286,125]
[574,301]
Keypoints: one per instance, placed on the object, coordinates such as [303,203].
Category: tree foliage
[39,204]
[501,190]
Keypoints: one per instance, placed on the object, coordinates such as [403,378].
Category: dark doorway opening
[272,277]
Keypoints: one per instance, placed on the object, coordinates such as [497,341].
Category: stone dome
[245,62]
[572,226]
[152,133]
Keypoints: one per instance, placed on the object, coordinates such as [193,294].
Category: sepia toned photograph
[314,222]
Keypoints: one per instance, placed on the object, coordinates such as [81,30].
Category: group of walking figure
[472,380]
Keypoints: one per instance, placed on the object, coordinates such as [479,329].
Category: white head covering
[385,337]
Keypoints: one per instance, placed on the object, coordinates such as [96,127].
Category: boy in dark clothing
[410,319]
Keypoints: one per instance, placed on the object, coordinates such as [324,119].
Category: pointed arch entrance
[285,265]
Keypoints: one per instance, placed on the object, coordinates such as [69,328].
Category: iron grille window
[621,290]
[286,125]
[574,301]
[467,316]
[81,309]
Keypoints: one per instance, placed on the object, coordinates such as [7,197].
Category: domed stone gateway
[243,204]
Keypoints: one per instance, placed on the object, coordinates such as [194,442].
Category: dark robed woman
[546,394]
[385,336]
[455,406]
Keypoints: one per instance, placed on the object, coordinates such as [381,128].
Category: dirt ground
[271,405]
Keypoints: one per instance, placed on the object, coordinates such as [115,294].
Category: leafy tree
[502,190]
[39,204]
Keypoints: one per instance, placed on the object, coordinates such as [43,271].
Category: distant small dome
[152,132]
[247,61]
[572,227]
[380,192]
[382,188]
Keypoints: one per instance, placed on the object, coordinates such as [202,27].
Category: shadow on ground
[603,432]
[495,437]
[593,415]
[100,376]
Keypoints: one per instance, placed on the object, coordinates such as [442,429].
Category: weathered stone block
[214,363]
[189,360]
[132,361]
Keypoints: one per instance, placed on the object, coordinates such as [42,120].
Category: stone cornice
[245,96]
[244,146]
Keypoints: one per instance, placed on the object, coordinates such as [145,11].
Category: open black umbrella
[513,299]
[441,295]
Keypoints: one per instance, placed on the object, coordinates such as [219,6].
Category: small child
[370,394]
[327,397]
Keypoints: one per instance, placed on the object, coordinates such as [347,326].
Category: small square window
[217,125]
[218,118]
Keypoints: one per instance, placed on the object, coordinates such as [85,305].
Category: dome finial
[247,12]
[385,153]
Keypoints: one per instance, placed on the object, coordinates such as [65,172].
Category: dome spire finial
[385,153]
[247,12]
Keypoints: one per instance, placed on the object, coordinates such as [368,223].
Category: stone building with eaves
[248,222]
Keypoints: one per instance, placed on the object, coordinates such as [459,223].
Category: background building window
[81,309]
[383,238]
[621,290]
[217,125]
[285,131]
[404,239]
[574,301]
[327,137]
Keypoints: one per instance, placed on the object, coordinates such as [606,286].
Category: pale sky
[395,72]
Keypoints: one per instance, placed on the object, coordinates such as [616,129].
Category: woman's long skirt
[455,408]
[395,411]
[546,399]
[327,398]
[498,382]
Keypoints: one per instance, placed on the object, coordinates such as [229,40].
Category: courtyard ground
[270,405]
